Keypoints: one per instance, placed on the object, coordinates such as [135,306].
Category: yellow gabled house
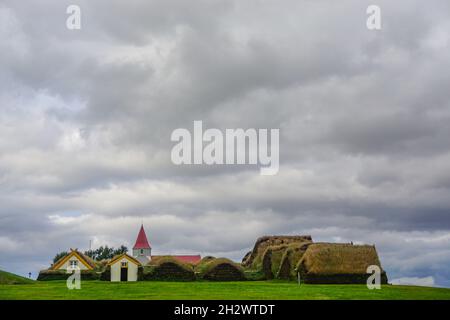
[74,259]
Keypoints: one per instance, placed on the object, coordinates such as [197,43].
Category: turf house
[272,257]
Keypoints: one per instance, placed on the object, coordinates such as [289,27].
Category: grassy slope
[10,278]
[214,290]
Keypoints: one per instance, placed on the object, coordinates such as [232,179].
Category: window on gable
[124,264]
[73,263]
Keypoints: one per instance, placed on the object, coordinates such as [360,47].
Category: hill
[11,278]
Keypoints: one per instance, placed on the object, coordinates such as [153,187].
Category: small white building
[124,268]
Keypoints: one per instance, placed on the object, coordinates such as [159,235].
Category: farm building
[287,257]
[338,263]
[272,257]
[124,268]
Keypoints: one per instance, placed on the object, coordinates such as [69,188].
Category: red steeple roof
[141,241]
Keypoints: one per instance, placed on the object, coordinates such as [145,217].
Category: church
[123,267]
[142,251]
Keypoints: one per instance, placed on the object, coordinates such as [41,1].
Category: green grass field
[213,290]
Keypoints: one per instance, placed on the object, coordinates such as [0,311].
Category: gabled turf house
[287,257]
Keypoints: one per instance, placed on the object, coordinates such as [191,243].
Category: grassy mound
[11,278]
[284,271]
[254,275]
[201,265]
[50,275]
[168,269]
[286,268]
[278,253]
[106,274]
[267,264]
[337,263]
[253,259]
[220,269]
[206,259]
[275,256]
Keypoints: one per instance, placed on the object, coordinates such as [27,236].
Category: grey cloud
[86,121]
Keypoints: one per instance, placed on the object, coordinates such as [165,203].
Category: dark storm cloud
[87,116]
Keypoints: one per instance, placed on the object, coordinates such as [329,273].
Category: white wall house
[124,268]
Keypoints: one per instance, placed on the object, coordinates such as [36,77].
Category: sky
[86,119]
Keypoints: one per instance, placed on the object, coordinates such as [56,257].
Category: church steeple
[141,240]
[142,250]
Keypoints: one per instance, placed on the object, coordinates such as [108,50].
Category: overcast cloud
[86,118]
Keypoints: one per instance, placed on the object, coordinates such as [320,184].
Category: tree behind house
[59,256]
[105,252]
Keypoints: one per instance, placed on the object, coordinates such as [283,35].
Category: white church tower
[142,250]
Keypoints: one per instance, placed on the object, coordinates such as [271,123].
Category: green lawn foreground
[57,290]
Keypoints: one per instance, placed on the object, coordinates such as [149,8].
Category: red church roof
[141,241]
